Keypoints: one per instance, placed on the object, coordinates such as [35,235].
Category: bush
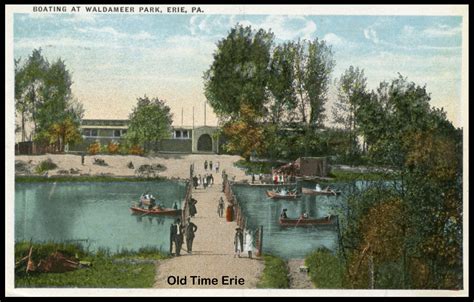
[113,148]
[45,165]
[325,269]
[94,148]
[136,150]
[275,273]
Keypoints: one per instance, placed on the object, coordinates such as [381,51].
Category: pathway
[298,280]
[213,247]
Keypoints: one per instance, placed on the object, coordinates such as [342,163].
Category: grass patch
[275,273]
[45,165]
[104,272]
[341,175]
[256,167]
[325,269]
[27,179]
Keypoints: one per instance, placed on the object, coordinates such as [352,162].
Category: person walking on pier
[205,165]
[220,207]
[192,207]
[210,165]
[174,238]
[238,241]
[191,228]
[178,238]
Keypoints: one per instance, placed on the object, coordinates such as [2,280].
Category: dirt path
[298,280]
[213,248]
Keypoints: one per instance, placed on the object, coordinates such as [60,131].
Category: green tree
[43,95]
[150,121]
[29,82]
[239,73]
[352,92]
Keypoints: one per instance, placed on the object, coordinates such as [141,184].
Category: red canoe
[329,220]
[162,211]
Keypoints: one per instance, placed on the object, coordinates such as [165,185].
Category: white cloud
[112,32]
[284,27]
[371,35]
[442,30]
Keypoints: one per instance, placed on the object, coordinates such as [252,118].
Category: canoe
[275,195]
[309,191]
[162,211]
[329,220]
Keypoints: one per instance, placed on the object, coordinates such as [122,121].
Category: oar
[298,222]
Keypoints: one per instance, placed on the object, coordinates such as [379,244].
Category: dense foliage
[43,97]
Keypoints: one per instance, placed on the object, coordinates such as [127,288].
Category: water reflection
[95,214]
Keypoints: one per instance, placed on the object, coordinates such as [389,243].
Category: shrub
[113,148]
[94,148]
[136,150]
[325,269]
[45,165]
[275,273]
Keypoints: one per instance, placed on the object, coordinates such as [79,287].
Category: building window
[185,133]
[94,132]
[177,134]
[87,132]
[117,133]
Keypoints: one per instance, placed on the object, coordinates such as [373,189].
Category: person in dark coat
[192,207]
[178,238]
[195,182]
[191,228]
[210,165]
[238,241]
[173,232]
[205,165]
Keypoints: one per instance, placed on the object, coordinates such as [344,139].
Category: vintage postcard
[236,150]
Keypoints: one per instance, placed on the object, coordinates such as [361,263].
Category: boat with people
[328,220]
[309,191]
[283,194]
[154,211]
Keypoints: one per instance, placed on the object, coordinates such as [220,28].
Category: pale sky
[115,58]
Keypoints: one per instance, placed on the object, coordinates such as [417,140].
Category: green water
[290,242]
[95,214]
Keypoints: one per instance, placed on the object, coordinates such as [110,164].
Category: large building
[202,139]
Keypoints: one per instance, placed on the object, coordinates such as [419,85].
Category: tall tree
[239,72]
[30,80]
[352,93]
[319,66]
[150,121]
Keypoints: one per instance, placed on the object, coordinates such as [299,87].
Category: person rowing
[283,214]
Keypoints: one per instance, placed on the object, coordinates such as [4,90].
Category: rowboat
[275,195]
[309,191]
[328,220]
[160,211]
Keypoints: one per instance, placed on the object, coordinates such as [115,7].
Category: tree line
[44,100]
[403,231]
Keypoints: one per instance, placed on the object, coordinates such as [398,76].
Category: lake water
[292,242]
[96,214]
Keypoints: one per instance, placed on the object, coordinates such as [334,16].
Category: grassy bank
[275,273]
[83,178]
[106,271]
[340,175]
[256,167]
[325,269]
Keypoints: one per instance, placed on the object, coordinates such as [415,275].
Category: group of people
[206,181]
[209,165]
[283,178]
[285,191]
[242,242]
[283,215]
[177,233]
[148,200]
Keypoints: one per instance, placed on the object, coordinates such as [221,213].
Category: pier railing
[185,206]
[238,215]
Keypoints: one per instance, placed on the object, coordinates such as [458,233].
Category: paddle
[298,221]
